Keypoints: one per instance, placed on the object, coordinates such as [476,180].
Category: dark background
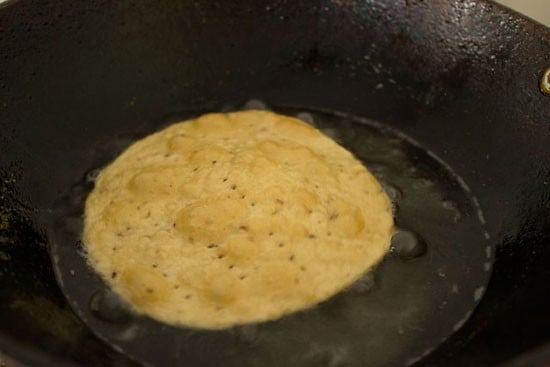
[461,77]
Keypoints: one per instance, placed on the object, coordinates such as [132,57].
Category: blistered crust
[234,218]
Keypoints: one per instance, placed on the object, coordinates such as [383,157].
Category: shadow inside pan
[424,290]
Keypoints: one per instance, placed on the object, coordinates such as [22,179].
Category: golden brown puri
[234,218]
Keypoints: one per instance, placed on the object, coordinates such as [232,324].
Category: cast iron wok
[466,86]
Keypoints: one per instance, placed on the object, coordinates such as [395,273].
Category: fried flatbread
[234,218]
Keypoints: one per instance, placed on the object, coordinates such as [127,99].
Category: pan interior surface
[424,291]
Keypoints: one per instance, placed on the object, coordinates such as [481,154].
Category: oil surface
[424,290]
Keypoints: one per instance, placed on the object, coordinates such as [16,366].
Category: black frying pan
[461,78]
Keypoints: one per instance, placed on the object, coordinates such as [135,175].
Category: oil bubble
[422,183]
[131,332]
[452,207]
[407,245]
[394,193]
[306,117]
[228,108]
[255,104]
[332,133]
[92,175]
[107,306]
[364,284]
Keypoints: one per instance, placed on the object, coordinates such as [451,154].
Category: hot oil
[425,289]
